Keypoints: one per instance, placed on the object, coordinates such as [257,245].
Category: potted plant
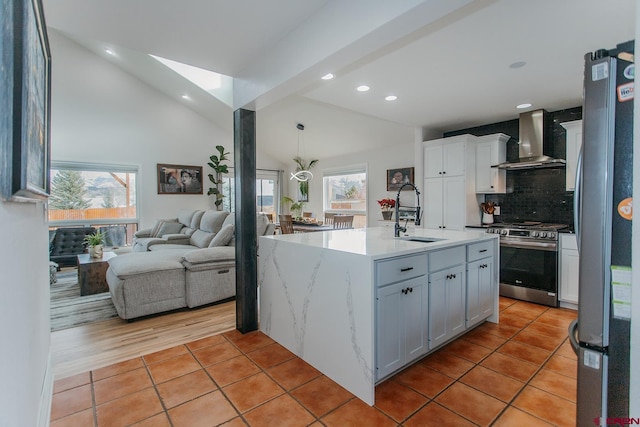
[296,208]
[95,242]
[219,168]
[387,206]
[304,185]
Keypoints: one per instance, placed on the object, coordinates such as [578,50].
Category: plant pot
[386,215]
[487,218]
[95,251]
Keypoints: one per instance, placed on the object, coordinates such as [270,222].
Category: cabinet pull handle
[453,276]
[403,291]
[410,289]
[406,269]
[448,276]
[444,172]
[482,250]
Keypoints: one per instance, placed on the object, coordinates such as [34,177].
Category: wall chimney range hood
[531,144]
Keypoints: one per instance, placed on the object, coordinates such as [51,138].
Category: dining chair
[342,221]
[286,224]
[328,218]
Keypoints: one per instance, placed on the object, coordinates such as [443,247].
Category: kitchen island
[359,305]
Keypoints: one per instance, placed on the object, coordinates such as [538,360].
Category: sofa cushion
[135,263]
[195,220]
[185,216]
[167,227]
[201,238]
[209,255]
[212,221]
[222,237]
[261,224]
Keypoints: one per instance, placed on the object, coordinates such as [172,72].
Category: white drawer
[401,268]
[444,258]
[568,241]
[481,250]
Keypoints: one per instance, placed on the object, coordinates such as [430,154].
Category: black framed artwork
[179,179]
[25,113]
[399,176]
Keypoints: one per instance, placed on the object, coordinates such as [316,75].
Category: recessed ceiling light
[327,76]
[363,88]
[187,97]
[518,64]
[525,105]
[390,98]
[109,52]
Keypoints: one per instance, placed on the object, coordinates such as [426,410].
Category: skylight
[206,80]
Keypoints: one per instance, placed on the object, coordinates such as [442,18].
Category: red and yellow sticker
[625,208]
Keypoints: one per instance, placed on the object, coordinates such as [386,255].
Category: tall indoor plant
[219,169]
[304,185]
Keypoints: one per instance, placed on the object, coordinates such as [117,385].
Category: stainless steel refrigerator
[603,203]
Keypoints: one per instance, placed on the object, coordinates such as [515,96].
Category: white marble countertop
[379,242]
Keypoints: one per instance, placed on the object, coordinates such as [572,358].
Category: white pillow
[223,237]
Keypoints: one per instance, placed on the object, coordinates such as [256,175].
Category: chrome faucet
[398,228]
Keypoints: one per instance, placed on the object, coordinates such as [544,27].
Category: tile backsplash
[533,194]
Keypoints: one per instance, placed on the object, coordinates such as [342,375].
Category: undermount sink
[420,239]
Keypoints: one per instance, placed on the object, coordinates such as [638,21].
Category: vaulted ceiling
[451,63]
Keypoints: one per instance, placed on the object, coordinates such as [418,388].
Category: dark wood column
[244,155]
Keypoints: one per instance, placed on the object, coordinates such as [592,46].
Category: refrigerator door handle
[577,198]
[573,329]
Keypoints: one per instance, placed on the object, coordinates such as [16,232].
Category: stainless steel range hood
[531,145]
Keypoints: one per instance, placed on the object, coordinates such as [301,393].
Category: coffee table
[92,273]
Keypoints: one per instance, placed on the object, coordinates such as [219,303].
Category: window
[345,191]
[267,191]
[92,194]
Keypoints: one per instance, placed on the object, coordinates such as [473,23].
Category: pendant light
[304,174]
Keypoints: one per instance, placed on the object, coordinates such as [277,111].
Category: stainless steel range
[529,261]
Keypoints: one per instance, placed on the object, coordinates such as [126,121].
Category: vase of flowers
[387,206]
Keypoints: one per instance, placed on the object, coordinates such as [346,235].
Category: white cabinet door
[484,175]
[446,305]
[453,203]
[491,150]
[453,159]
[433,199]
[574,142]
[401,324]
[433,160]
[569,268]
[389,346]
[479,291]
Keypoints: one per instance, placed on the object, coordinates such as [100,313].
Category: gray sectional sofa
[191,264]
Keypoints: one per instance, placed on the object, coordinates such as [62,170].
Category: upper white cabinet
[491,150]
[444,157]
[574,142]
[450,200]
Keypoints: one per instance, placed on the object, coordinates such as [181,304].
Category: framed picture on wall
[179,179]
[399,176]
[25,104]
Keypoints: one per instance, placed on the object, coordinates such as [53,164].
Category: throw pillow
[169,227]
[156,227]
[223,237]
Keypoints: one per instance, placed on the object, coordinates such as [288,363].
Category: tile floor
[520,372]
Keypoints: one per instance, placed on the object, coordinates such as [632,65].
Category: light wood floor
[100,344]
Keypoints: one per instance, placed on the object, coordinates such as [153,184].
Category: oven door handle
[544,246]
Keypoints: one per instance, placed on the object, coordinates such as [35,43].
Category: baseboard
[46,395]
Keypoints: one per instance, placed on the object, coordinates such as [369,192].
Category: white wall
[25,388]
[101,114]
[377,161]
